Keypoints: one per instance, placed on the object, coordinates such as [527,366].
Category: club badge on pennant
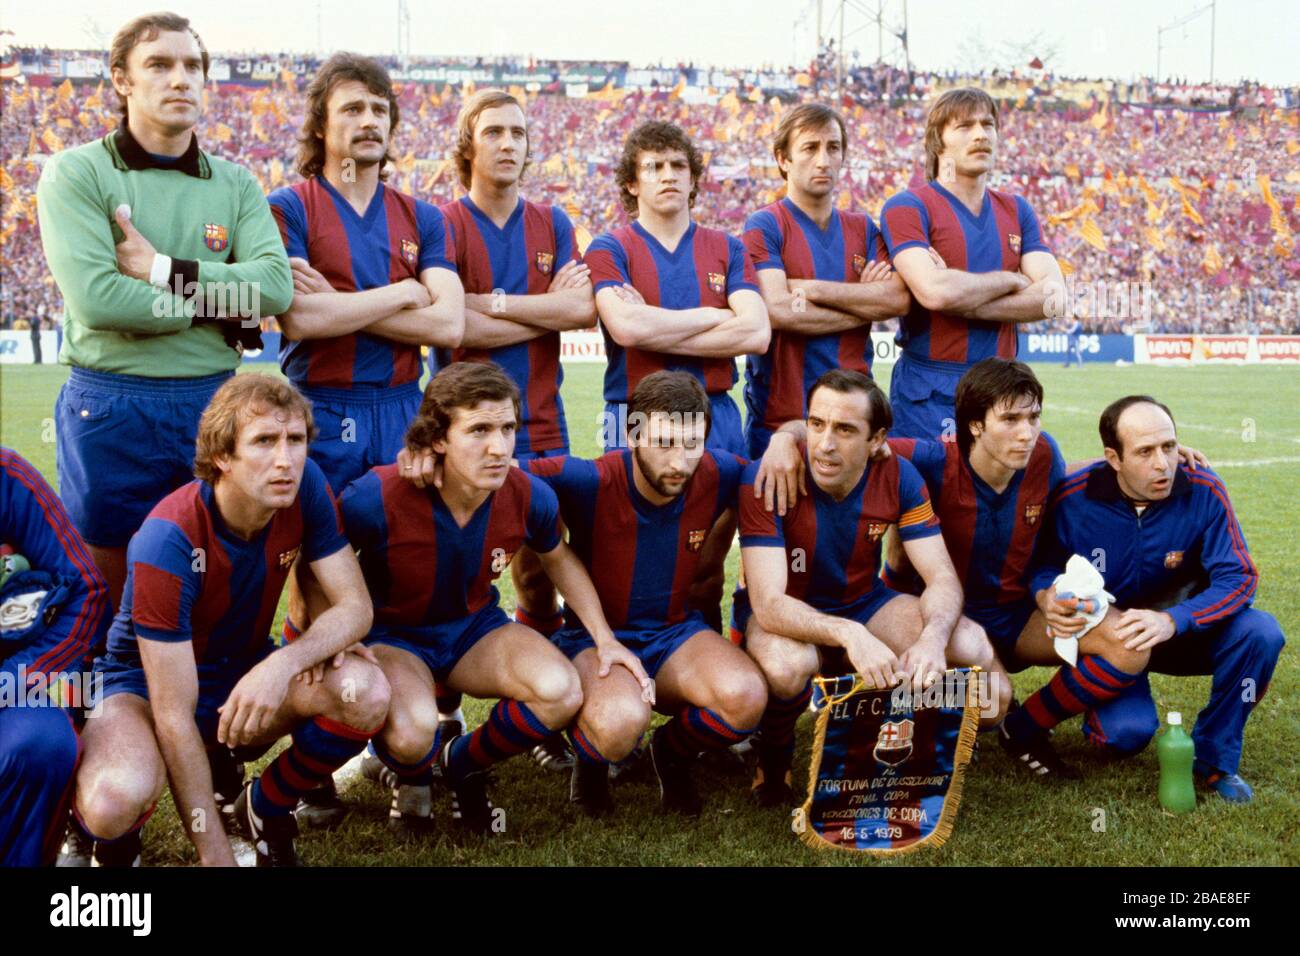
[894,742]
[887,766]
[215,237]
[410,251]
[544,262]
[717,282]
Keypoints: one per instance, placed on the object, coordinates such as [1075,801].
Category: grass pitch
[1243,418]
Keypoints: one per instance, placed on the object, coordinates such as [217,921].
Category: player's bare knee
[1005,693]
[556,693]
[741,696]
[970,646]
[409,731]
[788,672]
[1121,657]
[616,725]
[360,694]
[113,800]
[994,696]
[786,665]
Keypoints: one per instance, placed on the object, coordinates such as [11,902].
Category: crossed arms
[703,332]
[1034,293]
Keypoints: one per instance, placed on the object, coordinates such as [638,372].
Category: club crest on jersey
[286,558]
[501,559]
[859,263]
[410,251]
[717,282]
[1032,514]
[544,262]
[875,529]
[1173,559]
[695,540]
[894,742]
[215,237]
[1013,240]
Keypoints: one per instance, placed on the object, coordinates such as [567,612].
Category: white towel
[1081,580]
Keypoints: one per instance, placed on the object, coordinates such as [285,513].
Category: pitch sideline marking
[1258,462]
[1235,432]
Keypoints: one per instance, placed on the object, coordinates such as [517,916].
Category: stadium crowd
[1201,205]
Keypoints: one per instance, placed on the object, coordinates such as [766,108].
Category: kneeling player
[990,489]
[190,663]
[813,599]
[639,519]
[430,556]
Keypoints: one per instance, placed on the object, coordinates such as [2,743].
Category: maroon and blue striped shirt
[641,557]
[782,236]
[189,578]
[994,241]
[397,238]
[706,267]
[519,258]
[421,567]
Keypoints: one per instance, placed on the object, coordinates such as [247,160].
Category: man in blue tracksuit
[1176,559]
[55,608]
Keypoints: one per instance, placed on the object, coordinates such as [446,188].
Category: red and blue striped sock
[447,700]
[1071,691]
[583,747]
[138,825]
[511,728]
[776,729]
[418,774]
[698,728]
[320,746]
[543,624]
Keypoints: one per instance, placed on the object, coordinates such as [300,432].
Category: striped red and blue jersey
[1189,540]
[34,524]
[421,567]
[993,241]
[397,238]
[833,546]
[520,258]
[707,266]
[990,536]
[782,236]
[641,557]
[190,578]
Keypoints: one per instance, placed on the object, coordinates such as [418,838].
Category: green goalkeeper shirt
[208,214]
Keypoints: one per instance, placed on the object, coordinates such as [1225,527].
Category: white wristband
[160,273]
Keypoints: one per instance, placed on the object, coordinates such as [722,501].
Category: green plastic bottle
[1176,752]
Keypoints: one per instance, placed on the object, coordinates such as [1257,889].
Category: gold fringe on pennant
[951,801]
